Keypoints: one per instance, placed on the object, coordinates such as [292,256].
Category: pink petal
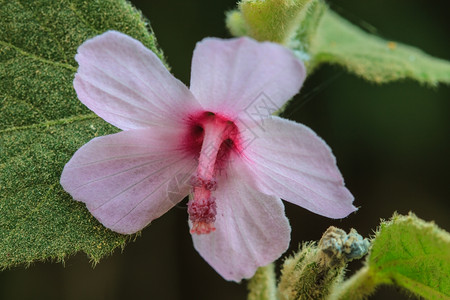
[242,76]
[127,179]
[127,85]
[289,160]
[251,230]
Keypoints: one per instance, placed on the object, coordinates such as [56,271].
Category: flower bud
[315,269]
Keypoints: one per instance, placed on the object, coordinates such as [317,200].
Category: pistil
[202,206]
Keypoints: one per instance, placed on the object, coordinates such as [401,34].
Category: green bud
[270,20]
[315,269]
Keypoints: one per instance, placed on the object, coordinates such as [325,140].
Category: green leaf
[338,41]
[42,123]
[414,254]
[406,252]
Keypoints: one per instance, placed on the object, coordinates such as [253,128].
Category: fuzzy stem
[262,286]
[359,286]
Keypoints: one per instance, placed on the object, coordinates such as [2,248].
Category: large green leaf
[42,123]
[414,254]
[338,41]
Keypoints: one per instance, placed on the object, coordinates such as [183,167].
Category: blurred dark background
[391,143]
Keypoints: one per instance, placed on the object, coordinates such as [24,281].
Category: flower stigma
[213,137]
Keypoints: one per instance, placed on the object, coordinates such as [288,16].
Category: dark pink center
[212,139]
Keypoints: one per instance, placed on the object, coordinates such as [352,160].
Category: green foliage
[318,35]
[307,32]
[338,41]
[406,252]
[262,286]
[42,123]
[357,287]
[414,254]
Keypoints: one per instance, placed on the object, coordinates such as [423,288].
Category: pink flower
[239,159]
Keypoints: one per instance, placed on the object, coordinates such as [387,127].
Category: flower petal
[251,230]
[244,77]
[125,179]
[289,160]
[127,85]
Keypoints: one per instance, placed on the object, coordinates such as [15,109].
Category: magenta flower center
[212,138]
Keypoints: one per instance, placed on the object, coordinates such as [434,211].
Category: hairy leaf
[414,254]
[42,123]
[338,41]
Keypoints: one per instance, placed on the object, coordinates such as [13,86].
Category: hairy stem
[262,286]
[359,286]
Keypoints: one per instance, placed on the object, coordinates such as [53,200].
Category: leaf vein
[41,59]
[51,123]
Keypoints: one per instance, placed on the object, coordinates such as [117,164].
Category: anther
[202,213]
